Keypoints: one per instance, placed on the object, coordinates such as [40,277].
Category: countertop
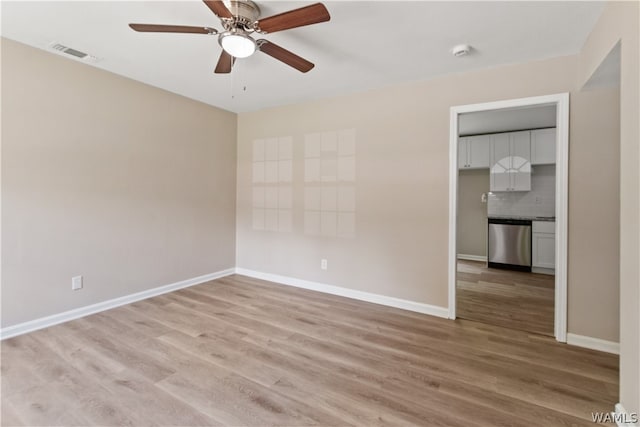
[528,218]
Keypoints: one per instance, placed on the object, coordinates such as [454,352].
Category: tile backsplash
[540,201]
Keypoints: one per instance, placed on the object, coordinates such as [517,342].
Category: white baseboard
[624,419]
[593,343]
[542,270]
[44,322]
[349,293]
[468,257]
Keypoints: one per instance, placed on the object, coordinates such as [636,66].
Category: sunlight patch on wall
[272,184]
[329,174]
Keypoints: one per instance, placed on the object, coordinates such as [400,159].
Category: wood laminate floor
[512,299]
[240,351]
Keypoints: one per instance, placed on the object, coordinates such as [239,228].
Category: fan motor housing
[246,11]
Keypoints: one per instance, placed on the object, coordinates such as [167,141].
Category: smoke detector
[461,50]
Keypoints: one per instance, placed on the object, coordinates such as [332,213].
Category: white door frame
[561,101]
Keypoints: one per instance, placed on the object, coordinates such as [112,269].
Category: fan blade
[224,63]
[151,28]
[307,15]
[218,7]
[282,54]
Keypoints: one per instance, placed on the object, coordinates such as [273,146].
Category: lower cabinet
[543,247]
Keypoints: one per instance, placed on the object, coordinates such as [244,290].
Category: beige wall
[130,186]
[401,187]
[620,22]
[472,212]
[594,205]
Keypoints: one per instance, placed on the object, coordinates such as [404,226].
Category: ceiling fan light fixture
[240,20]
[237,43]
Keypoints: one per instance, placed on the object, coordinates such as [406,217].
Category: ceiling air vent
[73,52]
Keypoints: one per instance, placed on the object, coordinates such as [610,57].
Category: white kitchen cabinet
[463,152]
[543,247]
[474,152]
[511,161]
[543,146]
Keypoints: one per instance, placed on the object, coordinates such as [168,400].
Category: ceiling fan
[240,21]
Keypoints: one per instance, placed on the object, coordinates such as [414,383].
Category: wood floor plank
[242,351]
[405,374]
[493,361]
[271,370]
[62,391]
[52,405]
[133,394]
[20,374]
[513,299]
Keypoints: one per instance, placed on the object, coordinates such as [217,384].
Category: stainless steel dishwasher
[510,244]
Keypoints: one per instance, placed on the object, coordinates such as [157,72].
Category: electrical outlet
[538,200]
[323,264]
[76,283]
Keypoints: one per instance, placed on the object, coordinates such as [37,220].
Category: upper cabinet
[474,152]
[511,161]
[543,146]
[509,155]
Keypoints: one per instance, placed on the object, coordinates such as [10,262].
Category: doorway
[477,158]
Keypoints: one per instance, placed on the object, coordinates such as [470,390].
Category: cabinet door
[520,144]
[543,146]
[463,154]
[543,248]
[500,163]
[479,150]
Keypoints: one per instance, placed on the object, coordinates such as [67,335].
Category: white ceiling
[366,44]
